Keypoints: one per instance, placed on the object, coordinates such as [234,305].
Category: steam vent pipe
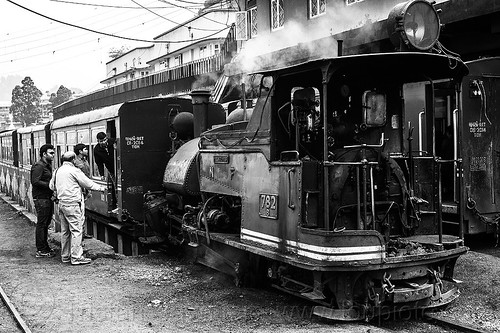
[199,99]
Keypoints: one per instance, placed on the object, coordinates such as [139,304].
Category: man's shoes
[87,236]
[66,260]
[42,254]
[81,261]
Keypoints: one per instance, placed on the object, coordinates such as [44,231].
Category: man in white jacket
[67,182]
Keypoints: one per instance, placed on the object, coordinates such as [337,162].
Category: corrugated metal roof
[88,117]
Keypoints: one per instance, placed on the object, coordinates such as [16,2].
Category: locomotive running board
[338,314]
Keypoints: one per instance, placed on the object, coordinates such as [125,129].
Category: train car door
[143,148]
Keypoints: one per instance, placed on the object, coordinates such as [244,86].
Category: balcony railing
[169,81]
[194,68]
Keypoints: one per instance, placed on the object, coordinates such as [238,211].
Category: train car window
[83,137]
[59,138]
[93,138]
[374,109]
[27,150]
[58,156]
[267,82]
[71,138]
[10,150]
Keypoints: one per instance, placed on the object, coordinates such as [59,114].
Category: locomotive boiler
[319,192]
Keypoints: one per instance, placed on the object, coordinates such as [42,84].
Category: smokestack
[200,110]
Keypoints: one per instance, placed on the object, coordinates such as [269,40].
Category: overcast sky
[55,54]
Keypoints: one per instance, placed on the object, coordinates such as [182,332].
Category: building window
[277,14]
[203,52]
[216,49]
[317,8]
[178,60]
[241,26]
[350,2]
[252,13]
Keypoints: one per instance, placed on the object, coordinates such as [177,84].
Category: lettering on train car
[221,159]
[477,128]
[135,190]
[135,142]
[478,163]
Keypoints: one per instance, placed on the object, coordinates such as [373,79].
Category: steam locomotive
[323,190]
[319,191]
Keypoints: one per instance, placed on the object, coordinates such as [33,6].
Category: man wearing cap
[67,182]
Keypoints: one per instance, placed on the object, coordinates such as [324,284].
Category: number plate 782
[268,206]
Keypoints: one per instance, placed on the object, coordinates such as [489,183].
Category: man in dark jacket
[41,173]
[104,154]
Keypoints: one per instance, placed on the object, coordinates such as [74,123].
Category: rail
[17,317]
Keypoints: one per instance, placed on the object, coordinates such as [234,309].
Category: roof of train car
[485,66]
[88,117]
[6,132]
[30,129]
[434,66]
[106,112]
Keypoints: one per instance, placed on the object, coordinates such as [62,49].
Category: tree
[115,53]
[26,102]
[63,94]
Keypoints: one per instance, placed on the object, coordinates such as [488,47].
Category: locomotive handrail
[438,160]
[365,145]
[350,163]
[289,172]
[390,204]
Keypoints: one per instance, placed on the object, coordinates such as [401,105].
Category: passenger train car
[140,131]
[9,163]
[320,192]
[481,146]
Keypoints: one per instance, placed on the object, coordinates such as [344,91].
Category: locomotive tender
[319,191]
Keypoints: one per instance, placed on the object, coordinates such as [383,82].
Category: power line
[112,35]
[51,38]
[202,29]
[179,6]
[109,6]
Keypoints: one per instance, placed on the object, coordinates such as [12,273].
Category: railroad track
[448,323]
[20,323]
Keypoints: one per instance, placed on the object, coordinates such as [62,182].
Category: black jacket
[104,157]
[41,173]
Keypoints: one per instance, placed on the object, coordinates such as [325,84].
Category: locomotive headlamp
[414,24]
